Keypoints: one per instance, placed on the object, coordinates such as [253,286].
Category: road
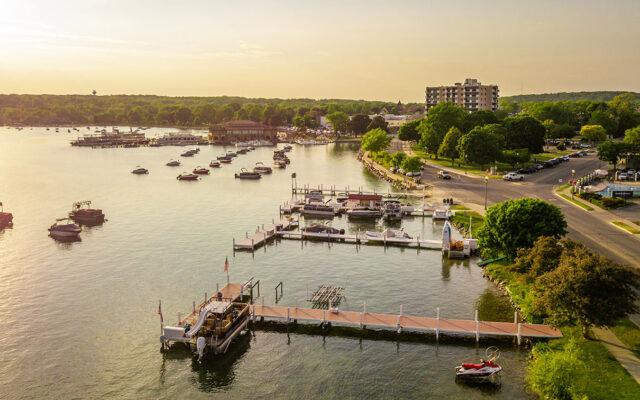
[599,235]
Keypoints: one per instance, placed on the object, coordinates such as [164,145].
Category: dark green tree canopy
[449,146]
[409,131]
[375,140]
[438,122]
[612,151]
[378,122]
[516,224]
[412,164]
[478,118]
[480,146]
[524,131]
[359,124]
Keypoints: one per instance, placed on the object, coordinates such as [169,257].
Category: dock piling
[519,333]
[437,322]
[477,328]
[288,316]
[365,307]
[515,317]
[360,320]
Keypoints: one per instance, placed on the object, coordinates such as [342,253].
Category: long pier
[334,191]
[401,322]
[360,238]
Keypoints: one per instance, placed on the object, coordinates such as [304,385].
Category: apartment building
[471,94]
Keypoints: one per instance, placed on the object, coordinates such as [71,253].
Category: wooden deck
[334,191]
[264,234]
[413,323]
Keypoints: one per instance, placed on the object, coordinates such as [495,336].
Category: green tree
[612,151]
[339,121]
[449,146]
[515,157]
[439,120]
[593,133]
[543,257]
[478,118]
[509,106]
[515,224]
[299,123]
[375,140]
[606,120]
[524,131]
[225,113]
[586,290]
[563,131]
[412,164]
[556,374]
[184,116]
[378,122]
[137,115]
[397,159]
[409,131]
[480,146]
[624,108]
[359,123]
[632,139]
[206,114]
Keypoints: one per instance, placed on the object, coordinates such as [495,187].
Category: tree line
[517,130]
[177,111]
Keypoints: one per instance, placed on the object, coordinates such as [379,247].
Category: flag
[226,264]
[293,175]
[160,311]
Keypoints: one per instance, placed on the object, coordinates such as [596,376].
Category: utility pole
[486,185]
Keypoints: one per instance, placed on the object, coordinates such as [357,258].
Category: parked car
[414,174]
[513,176]
[623,176]
[565,158]
[574,155]
[539,166]
[582,153]
[547,164]
[444,175]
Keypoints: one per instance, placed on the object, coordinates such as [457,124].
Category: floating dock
[361,238]
[264,234]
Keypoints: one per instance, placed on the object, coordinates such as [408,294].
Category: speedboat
[64,230]
[82,213]
[405,208]
[282,157]
[224,159]
[231,154]
[318,210]
[363,212]
[201,171]
[244,174]
[323,229]
[261,168]
[242,151]
[140,171]
[214,164]
[486,370]
[187,177]
[314,196]
[6,219]
[392,211]
[187,154]
[173,163]
[389,234]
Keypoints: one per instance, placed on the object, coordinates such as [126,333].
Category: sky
[375,50]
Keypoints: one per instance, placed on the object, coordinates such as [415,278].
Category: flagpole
[161,319]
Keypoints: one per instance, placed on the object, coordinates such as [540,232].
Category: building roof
[365,197]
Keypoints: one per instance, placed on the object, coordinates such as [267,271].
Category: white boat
[392,211]
[318,210]
[314,196]
[487,370]
[179,139]
[441,212]
[262,169]
[389,234]
[244,174]
[279,164]
[364,212]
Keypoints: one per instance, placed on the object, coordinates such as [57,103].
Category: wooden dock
[405,322]
[264,234]
[361,238]
[334,191]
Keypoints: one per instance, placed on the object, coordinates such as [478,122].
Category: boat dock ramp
[264,234]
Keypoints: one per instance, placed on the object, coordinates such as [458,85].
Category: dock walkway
[413,323]
[264,234]
[361,238]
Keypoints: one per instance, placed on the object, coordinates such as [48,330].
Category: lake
[80,318]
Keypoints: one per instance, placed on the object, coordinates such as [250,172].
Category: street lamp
[573,174]
[486,184]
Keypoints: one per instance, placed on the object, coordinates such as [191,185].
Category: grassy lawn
[626,227]
[576,202]
[629,333]
[563,187]
[463,220]
[604,377]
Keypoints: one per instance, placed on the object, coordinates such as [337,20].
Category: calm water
[79,320]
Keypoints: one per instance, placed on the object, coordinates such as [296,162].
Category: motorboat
[441,212]
[406,209]
[392,211]
[318,210]
[196,150]
[314,196]
[317,228]
[225,159]
[173,163]
[242,151]
[364,212]
[201,171]
[64,230]
[82,213]
[279,164]
[389,234]
[140,171]
[287,148]
[261,168]
[214,164]
[282,157]
[187,154]
[232,154]
[486,370]
[244,174]
[187,177]
[6,219]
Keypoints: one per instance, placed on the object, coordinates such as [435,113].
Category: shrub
[609,202]
[561,146]
[556,374]
[589,196]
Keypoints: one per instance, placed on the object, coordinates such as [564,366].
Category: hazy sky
[382,50]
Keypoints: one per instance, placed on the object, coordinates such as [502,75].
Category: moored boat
[317,228]
[187,177]
[82,213]
[201,171]
[6,219]
[214,164]
[140,170]
[317,210]
[261,168]
[188,154]
[64,230]
[173,163]
[487,370]
[364,212]
[392,211]
[244,174]
[279,164]
[389,234]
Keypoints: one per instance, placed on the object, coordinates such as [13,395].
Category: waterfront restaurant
[241,131]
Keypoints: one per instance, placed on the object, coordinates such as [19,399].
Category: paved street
[595,233]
